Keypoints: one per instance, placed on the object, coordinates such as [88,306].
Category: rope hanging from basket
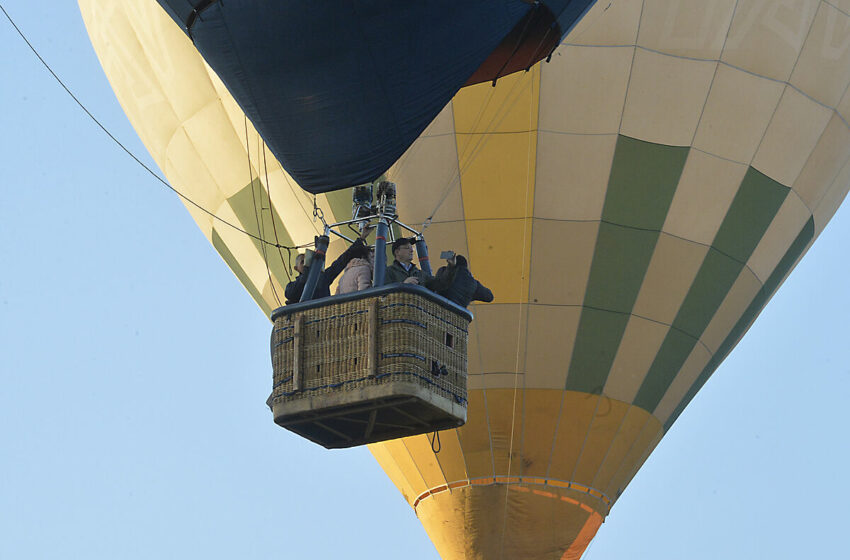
[436,446]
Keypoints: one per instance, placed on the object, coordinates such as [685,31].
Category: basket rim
[369,293]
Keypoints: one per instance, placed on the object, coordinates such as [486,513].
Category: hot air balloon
[633,203]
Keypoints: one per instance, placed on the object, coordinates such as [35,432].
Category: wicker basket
[380,364]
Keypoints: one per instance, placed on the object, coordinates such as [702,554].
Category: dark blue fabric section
[339,89]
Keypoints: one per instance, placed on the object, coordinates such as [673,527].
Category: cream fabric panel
[593,106]
[549,349]
[766,37]
[823,69]
[743,291]
[737,113]
[665,98]
[641,341]
[608,23]
[572,172]
[824,163]
[668,279]
[791,136]
[706,190]
[688,28]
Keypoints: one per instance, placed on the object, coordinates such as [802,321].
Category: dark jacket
[456,283]
[397,274]
[295,288]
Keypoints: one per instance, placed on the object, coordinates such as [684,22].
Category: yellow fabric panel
[793,133]
[646,441]
[505,413]
[520,522]
[705,192]
[499,249]
[420,450]
[475,437]
[595,104]
[576,414]
[500,255]
[642,459]
[823,69]
[451,456]
[511,106]
[781,233]
[681,384]
[824,164]
[397,452]
[608,23]
[766,37]
[665,98]
[737,112]
[384,458]
[627,434]
[742,293]
[692,28]
[572,175]
[549,349]
[638,348]
[541,409]
[668,279]
[559,270]
[604,428]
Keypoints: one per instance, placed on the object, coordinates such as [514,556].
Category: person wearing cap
[403,271]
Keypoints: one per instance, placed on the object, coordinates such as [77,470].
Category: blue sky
[135,367]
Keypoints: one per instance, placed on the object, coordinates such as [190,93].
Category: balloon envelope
[340,89]
[633,205]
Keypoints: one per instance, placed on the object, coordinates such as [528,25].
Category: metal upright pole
[422,253]
[386,212]
[316,267]
[380,265]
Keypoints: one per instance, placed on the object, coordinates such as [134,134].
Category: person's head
[403,250]
[299,263]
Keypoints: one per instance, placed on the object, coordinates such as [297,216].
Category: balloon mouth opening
[531,40]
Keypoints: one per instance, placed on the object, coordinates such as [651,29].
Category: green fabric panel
[643,180]
[762,297]
[750,214]
[234,265]
[252,205]
[597,340]
[620,260]
[753,209]
[715,278]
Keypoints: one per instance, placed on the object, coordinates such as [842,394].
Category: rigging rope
[258,211]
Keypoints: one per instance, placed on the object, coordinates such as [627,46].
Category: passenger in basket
[403,270]
[358,273]
[294,289]
[456,283]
